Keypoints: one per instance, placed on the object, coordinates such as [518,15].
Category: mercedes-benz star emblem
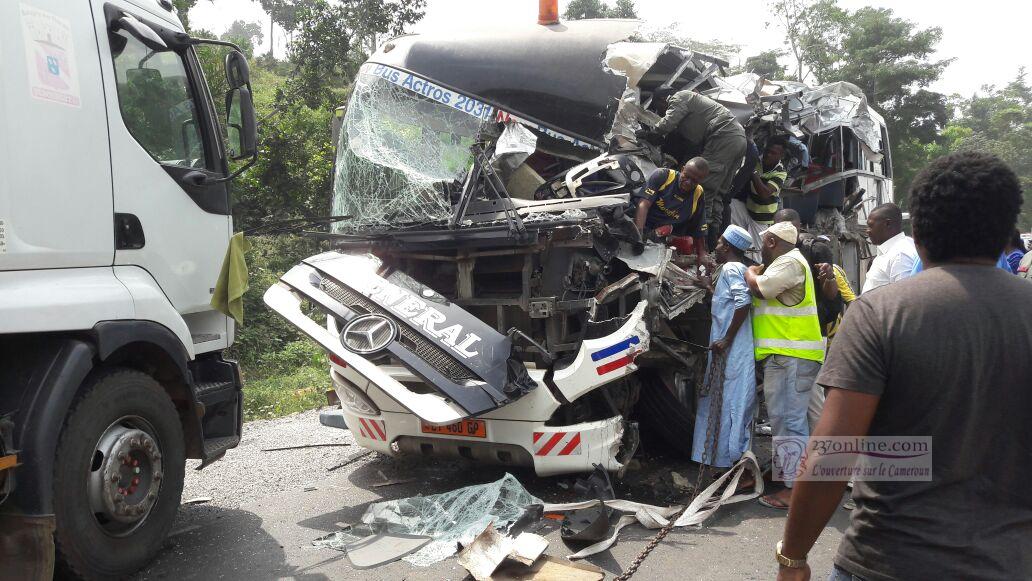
[368,334]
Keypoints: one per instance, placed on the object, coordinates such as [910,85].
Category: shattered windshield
[396,147]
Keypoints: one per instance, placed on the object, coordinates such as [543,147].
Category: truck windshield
[396,145]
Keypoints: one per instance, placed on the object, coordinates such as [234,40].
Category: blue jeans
[787,383]
[840,574]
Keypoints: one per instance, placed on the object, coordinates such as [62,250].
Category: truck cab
[114,222]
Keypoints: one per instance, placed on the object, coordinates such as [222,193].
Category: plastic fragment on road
[449,518]
[548,568]
[720,492]
[376,550]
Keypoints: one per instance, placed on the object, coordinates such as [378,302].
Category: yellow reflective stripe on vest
[792,331]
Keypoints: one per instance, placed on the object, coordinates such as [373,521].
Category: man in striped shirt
[762,195]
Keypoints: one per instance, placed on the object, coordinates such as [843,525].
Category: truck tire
[662,412]
[118,475]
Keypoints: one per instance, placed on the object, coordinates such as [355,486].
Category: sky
[989,41]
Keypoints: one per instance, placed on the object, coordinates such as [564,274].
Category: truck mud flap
[468,363]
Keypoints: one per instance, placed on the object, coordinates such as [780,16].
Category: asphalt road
[266,508]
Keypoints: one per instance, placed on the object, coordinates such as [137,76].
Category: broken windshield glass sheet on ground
[448,518]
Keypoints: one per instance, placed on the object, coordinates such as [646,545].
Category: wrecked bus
[489,296]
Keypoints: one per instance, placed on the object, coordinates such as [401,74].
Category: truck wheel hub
[124,486]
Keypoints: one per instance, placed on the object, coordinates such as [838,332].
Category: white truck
[114,221]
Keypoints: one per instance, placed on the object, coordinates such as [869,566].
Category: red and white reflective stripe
[557,443]
[503,117]
[373,429]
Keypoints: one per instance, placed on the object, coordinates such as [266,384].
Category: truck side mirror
[241,125]
[238,73]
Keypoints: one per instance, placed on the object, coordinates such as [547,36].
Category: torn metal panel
[605,359]
[632,59]
[651,261]
[842,103]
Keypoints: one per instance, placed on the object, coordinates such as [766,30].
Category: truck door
[165,150]
[55,173]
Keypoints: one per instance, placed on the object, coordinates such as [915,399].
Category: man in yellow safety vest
[787,338]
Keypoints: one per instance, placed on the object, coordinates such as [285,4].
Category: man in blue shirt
[676,199]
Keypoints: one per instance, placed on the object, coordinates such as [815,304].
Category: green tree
[998,121]
[584,9]
[245,35]
[766,65]
[812,29]
[888,57]
[623,9]
[183,9]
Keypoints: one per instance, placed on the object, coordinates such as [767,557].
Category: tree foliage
[295,99]
[584,9]
[766,65]
[245,35]
[888,57]
[997,120]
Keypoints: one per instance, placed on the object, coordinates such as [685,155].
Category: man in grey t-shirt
[944,354]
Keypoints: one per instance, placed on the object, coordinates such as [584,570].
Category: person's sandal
[772,502]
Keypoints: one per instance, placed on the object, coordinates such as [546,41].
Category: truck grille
[433,355]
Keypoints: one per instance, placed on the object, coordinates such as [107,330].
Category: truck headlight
[353,399]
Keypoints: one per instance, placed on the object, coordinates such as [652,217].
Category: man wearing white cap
[787,337]
[731,337]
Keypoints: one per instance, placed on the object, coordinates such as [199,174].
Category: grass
[283,385]
[280,395]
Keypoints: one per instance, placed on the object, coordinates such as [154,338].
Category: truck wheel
[663,411]
[118,475]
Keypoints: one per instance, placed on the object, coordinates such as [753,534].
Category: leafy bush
[284,372]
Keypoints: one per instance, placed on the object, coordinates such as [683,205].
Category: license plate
[466,428]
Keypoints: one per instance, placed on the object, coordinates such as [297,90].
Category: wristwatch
[787,561]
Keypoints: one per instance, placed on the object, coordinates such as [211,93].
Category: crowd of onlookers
[919,352]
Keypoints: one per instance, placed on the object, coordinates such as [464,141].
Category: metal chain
[714,386]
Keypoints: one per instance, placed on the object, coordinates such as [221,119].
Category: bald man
[896,251]
[676,199]
[709,128]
